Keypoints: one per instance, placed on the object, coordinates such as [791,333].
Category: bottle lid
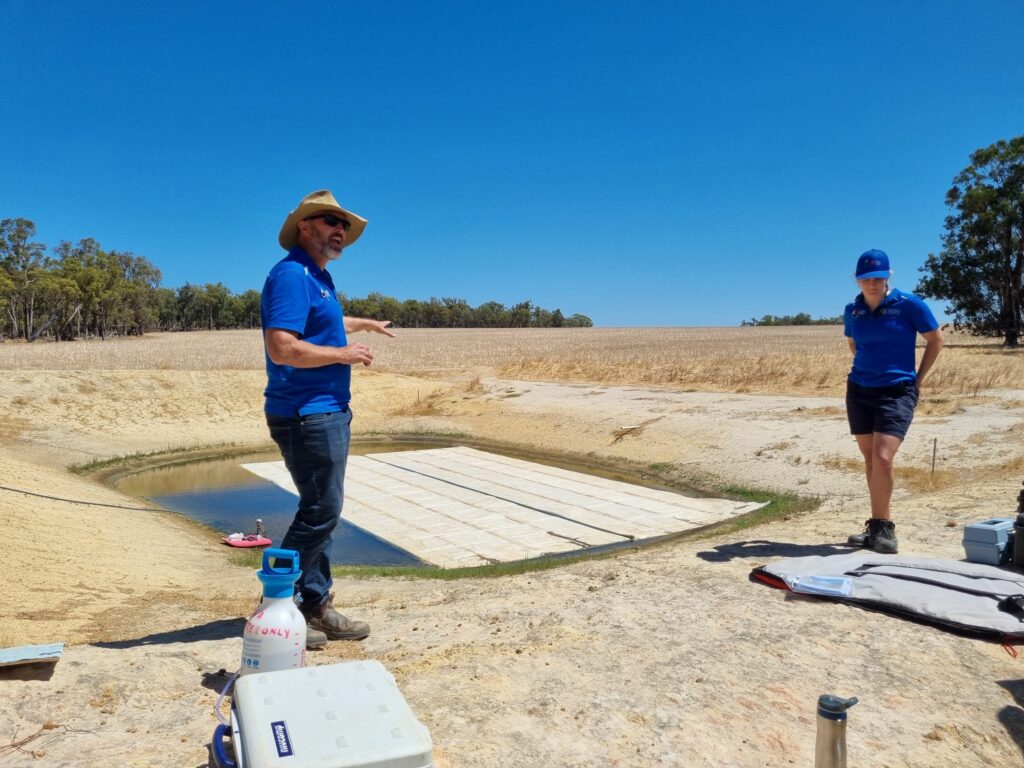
[834,707]
[279,581]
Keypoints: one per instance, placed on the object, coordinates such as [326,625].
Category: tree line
[457,313]
[801,318]
[81,290]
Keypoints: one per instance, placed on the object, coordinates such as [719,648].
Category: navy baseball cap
[873,263]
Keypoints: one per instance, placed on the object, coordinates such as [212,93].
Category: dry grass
[107,700]
[924,480]
[809,361]
[798,360]
[196,351]
[425,406]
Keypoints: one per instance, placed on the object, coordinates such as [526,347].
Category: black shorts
[888,410]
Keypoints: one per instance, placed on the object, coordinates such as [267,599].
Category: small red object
[250,540]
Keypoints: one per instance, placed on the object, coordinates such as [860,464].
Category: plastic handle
[285,554]
[219,755]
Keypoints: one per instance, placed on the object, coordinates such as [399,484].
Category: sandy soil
[661,656]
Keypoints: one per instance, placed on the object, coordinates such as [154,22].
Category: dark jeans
[315,450]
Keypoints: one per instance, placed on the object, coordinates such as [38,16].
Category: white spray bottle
[275,636]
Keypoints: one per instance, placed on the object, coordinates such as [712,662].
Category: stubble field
[784,360]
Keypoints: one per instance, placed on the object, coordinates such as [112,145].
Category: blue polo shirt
[299,296]
[885,339]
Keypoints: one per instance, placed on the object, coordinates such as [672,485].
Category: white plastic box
[345,715]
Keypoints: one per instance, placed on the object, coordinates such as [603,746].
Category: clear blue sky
[649,163]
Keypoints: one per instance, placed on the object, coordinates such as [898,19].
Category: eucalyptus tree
[980,270]
[458,313]
[24,263]
[519,314]
[139,304]
[410,314]
[6,296]
[491,314]
[247,309]
[578,321]
[218,307]
[434,313]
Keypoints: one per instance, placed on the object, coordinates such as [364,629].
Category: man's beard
[330,252]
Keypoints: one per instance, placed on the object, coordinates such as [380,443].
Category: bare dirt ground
[660,656]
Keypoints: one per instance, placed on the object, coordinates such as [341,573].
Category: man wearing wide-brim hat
[309,370]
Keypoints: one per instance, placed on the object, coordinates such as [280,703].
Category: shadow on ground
[216,681]
[41,671]
[222,629]
[1012,717]
[761,548]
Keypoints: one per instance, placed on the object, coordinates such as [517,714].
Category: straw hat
[312,204]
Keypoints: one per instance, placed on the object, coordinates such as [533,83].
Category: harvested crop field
[791,360]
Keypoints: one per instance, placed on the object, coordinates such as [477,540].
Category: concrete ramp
[455,507]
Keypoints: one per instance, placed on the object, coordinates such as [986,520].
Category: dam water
[447,506]
[225,497]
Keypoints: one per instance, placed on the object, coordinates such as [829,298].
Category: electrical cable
[77,501]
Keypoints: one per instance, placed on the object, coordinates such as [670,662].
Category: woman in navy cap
[883,387]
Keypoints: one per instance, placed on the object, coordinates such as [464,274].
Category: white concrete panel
[454,507]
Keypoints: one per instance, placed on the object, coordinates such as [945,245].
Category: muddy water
[228,498]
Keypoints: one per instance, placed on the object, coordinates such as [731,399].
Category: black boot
[879,535]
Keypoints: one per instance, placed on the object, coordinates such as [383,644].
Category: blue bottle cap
[279,581]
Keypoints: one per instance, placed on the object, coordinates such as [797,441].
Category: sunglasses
[332,221]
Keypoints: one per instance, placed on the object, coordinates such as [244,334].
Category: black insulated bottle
[1018,534]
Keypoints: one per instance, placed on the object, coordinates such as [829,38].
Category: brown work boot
[334,625]
[315,639]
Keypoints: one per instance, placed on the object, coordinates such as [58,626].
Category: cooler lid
[345,715]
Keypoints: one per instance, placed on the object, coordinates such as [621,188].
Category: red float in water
[247,540]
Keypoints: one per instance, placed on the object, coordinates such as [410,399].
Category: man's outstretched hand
[356,324]
[380,326]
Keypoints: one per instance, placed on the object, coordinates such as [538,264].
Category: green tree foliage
[247,309]
[578,321]
[23,262]
[801,318]
[981,266]
[457,313]
[491,314]
[81,291]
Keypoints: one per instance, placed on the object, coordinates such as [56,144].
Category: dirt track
[666,656]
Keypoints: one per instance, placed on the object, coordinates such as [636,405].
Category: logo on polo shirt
[324,293]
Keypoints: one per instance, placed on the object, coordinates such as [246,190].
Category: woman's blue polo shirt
[299,296]
[885,340]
